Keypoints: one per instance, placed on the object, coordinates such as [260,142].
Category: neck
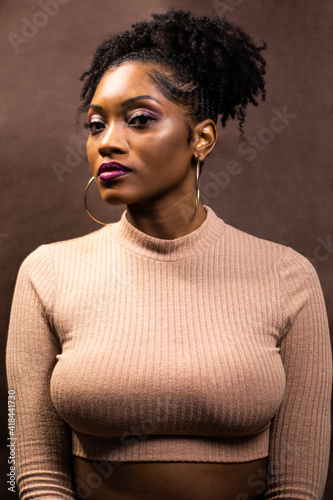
[199,241]
[166,222]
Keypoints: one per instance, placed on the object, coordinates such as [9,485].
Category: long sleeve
[43,439]
[300,431]
[209,379]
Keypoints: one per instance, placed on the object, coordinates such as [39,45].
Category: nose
[113,141]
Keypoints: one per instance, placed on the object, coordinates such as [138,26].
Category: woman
[169,355]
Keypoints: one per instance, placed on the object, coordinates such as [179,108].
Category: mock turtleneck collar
[180,248]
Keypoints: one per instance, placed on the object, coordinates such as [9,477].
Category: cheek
[88,148]
[166,146]
[92,151]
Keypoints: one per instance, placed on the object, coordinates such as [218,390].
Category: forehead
[128,80]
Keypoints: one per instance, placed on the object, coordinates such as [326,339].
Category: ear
[205,137]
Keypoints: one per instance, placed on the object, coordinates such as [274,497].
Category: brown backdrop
[277,186]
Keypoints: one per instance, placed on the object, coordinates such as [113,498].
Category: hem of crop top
[173,448]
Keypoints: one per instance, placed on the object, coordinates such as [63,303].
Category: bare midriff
[96,480]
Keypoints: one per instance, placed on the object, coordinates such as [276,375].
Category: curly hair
[207,65]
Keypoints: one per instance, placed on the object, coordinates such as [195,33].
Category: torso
[169,480]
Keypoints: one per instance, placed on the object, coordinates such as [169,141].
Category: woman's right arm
[43,439]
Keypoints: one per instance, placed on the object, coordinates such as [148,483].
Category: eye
[141,120]
[94,126]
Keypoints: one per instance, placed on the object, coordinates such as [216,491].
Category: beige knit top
[212,347]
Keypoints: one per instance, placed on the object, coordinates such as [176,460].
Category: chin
[115,199]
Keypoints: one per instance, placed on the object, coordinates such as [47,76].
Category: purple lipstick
[109,171]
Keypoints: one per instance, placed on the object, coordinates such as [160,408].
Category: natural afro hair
[207,65]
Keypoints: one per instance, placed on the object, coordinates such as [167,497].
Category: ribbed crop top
[212,347]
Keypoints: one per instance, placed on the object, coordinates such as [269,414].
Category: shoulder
[291,266]
[253,247]
[294,276]
[250,243]
[43,257]
[298,276]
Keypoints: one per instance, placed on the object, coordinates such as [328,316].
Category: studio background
[278,185]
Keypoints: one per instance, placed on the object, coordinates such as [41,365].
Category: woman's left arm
[300,431]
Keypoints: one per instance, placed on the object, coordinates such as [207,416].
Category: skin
[162,181]
[171,480]
[163,164]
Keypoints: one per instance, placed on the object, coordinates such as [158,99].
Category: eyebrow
[127,101]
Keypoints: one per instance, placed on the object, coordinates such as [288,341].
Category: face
[133,124]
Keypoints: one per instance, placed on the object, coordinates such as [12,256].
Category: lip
[112,174]
[112,166]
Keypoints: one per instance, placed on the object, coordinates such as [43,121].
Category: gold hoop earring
[86,206]
[197,195]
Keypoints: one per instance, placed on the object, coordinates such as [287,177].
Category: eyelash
[93,123]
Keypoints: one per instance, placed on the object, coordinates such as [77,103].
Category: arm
[43,444]
[300,431]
